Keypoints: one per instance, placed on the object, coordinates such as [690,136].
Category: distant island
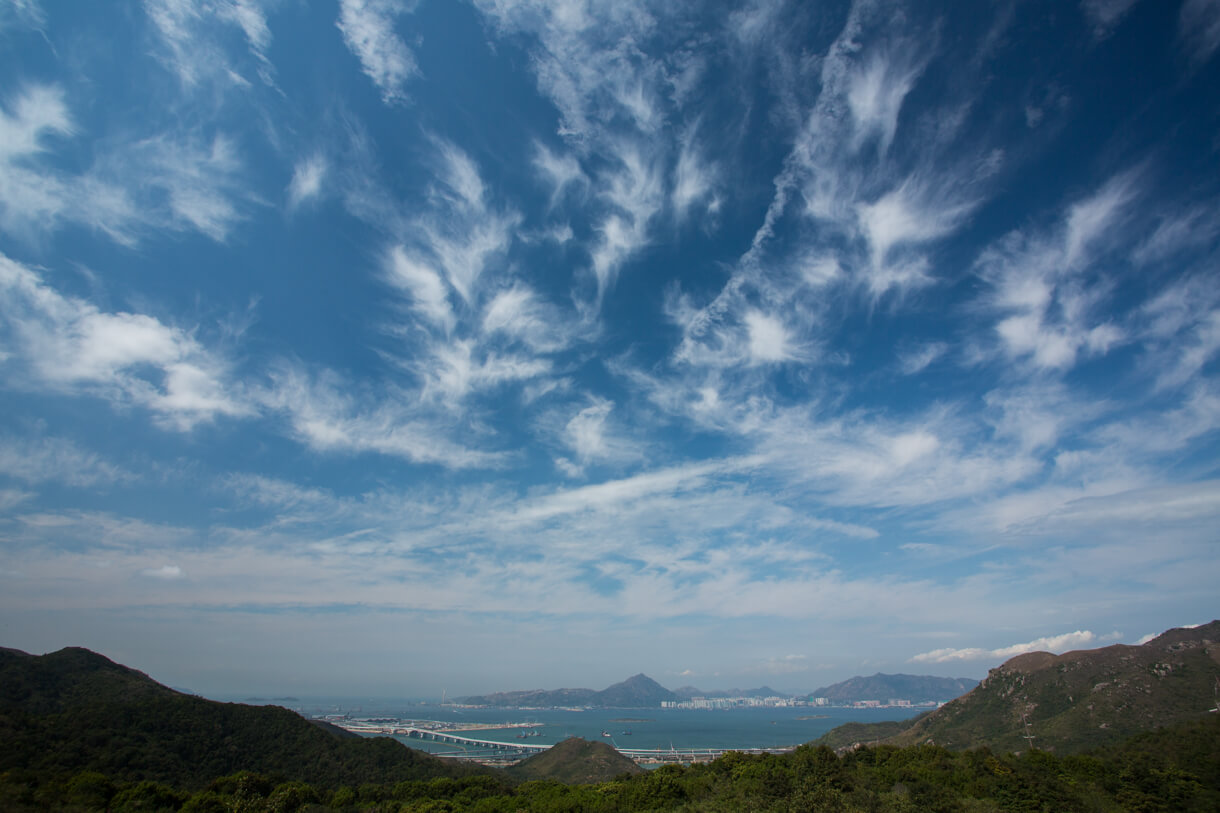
[642,691]
[635,692]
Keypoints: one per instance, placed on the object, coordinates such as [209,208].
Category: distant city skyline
[400,347]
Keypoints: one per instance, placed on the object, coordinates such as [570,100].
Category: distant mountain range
[687,692]
[916,688]
[1071,702]
[642,691]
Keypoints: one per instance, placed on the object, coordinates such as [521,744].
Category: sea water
[650,728]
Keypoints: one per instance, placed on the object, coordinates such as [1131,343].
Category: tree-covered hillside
[74,710]
[1171,770]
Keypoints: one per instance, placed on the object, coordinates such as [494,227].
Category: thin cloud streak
[1052,643]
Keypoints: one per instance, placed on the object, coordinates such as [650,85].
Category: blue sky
[387,346]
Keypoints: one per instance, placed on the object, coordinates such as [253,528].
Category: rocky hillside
[1080,700]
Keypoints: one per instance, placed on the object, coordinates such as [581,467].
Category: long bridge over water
[493,750]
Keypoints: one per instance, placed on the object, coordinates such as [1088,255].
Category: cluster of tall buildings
[731,702]
[746,702]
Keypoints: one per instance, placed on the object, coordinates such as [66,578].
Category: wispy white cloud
[854,218]
[1199,28]
[695,179]
[465,231]
[201,180]
[614,87]
[918,359]
[29,198]
[1048,314]
[27,13]
[482,328]
[38,459]
[454,370]
[875,93]
[195,52]
[10,498]
[768,339]
[1105,15]
[429,293]
[1051,643]
[593,436]
[521,314]
[307,179]
[368,31]
[163,181]
[67,344]
[561,172]
[909,215]
[1178,232]
[634,189]
[326,416]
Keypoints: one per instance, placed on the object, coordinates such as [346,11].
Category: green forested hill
[576,761]
[75,710]
[1170,770]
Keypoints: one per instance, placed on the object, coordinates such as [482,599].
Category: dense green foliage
[74,710]
[575,761]
[852,734]
[1170,770]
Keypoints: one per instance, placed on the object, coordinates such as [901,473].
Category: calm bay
[648,728]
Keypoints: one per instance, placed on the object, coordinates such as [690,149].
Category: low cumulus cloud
[1050,643]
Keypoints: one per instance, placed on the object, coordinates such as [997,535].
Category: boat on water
[605,733]
[625,733]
